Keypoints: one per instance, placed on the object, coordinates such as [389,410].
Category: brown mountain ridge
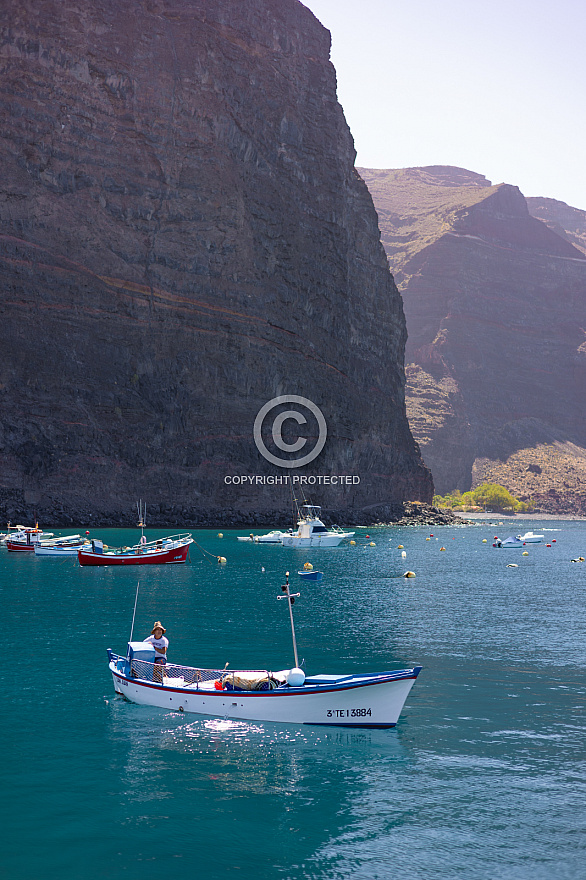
[494,290]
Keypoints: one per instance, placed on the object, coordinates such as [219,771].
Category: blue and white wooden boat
[311,575]
[68,545]
[364,699]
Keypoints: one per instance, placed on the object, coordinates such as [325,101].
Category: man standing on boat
[160,644]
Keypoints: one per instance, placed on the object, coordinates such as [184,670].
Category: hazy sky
[495,86]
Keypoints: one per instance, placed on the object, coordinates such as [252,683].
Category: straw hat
[158,625]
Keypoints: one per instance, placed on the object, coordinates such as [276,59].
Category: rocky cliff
[495,301]
[183,237]
[568,222]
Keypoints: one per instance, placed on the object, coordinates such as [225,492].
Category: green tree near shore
[489,496]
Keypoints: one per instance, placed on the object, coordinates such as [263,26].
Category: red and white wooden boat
[171,549]
[25,540]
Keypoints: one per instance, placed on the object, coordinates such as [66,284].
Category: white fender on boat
[295,677]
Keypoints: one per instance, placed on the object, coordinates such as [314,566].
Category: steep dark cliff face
[495,302]
[183,237]
[568,222]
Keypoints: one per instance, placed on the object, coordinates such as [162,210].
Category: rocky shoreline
[415,514]
[407,513]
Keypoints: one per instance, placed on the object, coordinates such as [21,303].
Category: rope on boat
[206,553]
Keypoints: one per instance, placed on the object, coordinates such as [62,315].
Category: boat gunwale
[179,540]
[283,691]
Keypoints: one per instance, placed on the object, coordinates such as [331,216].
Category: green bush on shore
[489,495]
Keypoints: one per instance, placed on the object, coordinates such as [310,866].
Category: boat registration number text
[349,713]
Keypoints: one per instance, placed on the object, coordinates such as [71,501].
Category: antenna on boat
[141,519]
[133,614]
[295,505]
[291,597]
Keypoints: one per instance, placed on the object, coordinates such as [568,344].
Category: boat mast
[134,614]
[291,597]
[295,506]
[141,517]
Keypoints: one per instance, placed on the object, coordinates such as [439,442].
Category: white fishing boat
[530,538]
[69,548]
[311,532]
[365,699]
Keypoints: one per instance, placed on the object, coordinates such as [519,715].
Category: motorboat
[311,532]
[509,542]
[171,549]
[359,699]
[274,537]
[530,538]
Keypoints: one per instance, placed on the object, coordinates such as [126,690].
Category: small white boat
[366,699]
[274,537]
[509,542]
[68,549]
[530,538]
[311,532]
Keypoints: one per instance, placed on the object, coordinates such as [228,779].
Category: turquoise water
[484,776]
